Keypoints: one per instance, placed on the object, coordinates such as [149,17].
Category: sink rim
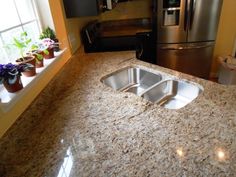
[130,67]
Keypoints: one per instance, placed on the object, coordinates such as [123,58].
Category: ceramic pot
[31,60]
[50,53]
[13,87]
[39,62]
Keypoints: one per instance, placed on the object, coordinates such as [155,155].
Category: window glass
[3,58]
[7,38]
[16,16]
[32,30]
[8,18]
[25,10]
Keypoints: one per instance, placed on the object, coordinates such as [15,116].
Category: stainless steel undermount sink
[169,93]
[131,79]
[172,94]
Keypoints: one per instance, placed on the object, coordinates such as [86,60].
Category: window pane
[32,30]
[15,13]
[25,10]
[8,15]
[7,37]
[3,59]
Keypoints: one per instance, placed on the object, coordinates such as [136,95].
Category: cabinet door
[80,8]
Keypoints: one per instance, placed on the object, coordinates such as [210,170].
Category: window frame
[21,25]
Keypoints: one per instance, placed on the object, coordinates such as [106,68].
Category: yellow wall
[74,26]
[226,33]
[128,10]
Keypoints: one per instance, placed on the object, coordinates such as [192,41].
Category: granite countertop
[79,127]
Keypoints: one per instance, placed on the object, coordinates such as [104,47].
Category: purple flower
[9,72]
[48,42]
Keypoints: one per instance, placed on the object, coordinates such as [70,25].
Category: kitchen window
[16,16]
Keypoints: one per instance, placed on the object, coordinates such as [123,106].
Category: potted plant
[38,51]
[49,33]
[10,75]
[22,44]
[49,44]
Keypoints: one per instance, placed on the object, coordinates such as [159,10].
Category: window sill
[8,100]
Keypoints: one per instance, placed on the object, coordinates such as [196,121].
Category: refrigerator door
[190,58]
[172,21]
[203,20]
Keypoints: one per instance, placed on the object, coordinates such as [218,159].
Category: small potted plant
[49,33]
[10,75]
[38,51]
[49,44]
[22,44]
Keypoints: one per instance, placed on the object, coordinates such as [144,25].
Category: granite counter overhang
[109,133]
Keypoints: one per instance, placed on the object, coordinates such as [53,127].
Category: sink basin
[169,93]
[131,79]
[172,94]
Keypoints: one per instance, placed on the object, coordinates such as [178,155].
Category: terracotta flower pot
[13,87]
[30,60]
[39,62]
[50,53]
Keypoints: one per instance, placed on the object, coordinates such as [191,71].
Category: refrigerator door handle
[186,15]
[186,47]
[192,12]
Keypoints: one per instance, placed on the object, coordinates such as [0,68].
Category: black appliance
[145,50]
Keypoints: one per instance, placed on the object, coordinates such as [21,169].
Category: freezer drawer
[193,58]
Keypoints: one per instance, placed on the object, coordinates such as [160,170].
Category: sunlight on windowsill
[7,100]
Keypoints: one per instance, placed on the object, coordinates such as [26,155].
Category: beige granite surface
[80,127]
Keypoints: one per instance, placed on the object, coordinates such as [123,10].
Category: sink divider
[163,98]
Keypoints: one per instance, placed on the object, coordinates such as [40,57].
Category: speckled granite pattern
[79,127]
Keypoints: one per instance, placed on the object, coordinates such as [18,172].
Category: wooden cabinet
[82,8]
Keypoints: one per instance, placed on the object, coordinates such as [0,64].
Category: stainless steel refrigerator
[186,33]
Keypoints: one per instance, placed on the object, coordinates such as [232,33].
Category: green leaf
[24,34]
[18,44]
[46,52]
[39,56]
[28,41]
[34,47]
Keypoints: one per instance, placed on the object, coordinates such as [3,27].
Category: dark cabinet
[82,8]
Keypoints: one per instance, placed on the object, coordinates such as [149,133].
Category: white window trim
[8,100]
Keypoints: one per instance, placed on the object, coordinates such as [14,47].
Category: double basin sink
[157,88]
